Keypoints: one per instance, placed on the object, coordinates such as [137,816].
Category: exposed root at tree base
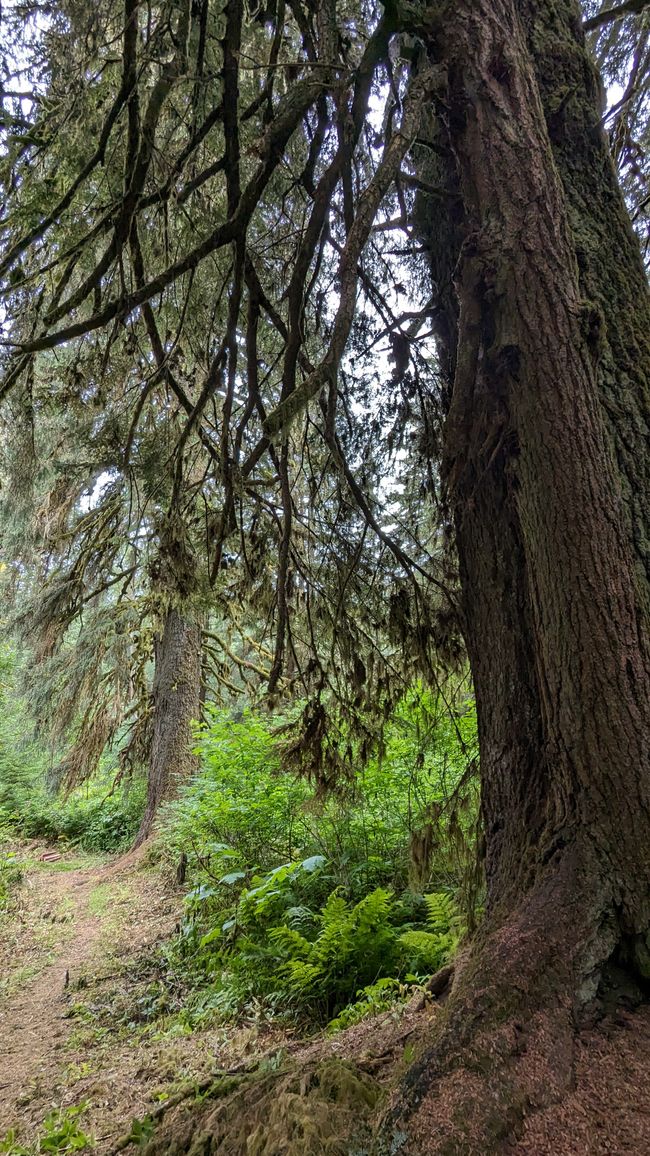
[507,1056]
[326,1107]
[319,1110]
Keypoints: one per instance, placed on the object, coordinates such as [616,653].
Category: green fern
[443,914]
[371,1000]
[424,952]
[354,945]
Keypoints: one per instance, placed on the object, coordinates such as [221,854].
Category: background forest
[308,311]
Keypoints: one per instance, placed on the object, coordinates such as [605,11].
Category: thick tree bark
[610,270]
[176,704]
[546,418]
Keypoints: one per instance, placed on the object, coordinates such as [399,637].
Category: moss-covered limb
[319,1109]
[217,1084]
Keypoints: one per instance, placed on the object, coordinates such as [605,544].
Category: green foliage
[240,799]
[23,766]
[442,912]
[92,818]
[141,1131]
[60,1134]
[354,945]
[243,800]
[418,951]
[377,997]
[298,904]
[95,817]
[280,948]
[10,876]
[425,951]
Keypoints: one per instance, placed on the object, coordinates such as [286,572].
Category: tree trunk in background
[547,416]
[176,704]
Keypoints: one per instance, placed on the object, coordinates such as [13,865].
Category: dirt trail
[68,954]
[32,1027]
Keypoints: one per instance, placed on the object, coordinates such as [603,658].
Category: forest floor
[87,1048]
[82,1018]
[90,1041]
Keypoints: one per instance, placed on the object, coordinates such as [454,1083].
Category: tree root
[504,1045]
[317,1110]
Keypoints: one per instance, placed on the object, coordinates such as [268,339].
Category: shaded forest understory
[266,971]
[101,1053]
[325,577]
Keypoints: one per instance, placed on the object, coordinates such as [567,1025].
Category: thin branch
[608,15]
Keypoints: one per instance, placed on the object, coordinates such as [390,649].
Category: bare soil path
[73,947]
[60,937]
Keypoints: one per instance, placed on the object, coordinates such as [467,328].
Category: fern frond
[443,914]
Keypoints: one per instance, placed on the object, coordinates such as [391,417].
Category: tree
[169,156]
[542,317]
[551,525]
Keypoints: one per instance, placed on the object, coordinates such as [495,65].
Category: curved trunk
[546,419]
[176,704]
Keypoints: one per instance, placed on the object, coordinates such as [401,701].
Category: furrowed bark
[176,704]
[610,270]
[550,530]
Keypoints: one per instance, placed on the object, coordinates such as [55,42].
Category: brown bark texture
[176,704]
[610,271]
[546,468]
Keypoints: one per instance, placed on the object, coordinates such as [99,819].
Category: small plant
[10,877]
[377,997]
[141,1131]
[60,1134]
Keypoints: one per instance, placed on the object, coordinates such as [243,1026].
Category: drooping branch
[288,409]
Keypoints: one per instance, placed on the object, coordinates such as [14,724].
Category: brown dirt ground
[93,922]
[76,942]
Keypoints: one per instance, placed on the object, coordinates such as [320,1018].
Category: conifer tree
[231,215]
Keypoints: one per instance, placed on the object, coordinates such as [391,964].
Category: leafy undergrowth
[264,918]
[61,1132]
[10,877]
[101,815]
[315,912]
[284,948]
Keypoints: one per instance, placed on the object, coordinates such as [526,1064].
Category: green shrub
[423,952]
[241,799]
[95,816]
[91,818]
[299,904]
[377,997]
[10,877]
[354,946]
[60,1133]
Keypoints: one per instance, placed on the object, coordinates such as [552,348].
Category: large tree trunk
[610,270]
[176,704]
[550,526]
